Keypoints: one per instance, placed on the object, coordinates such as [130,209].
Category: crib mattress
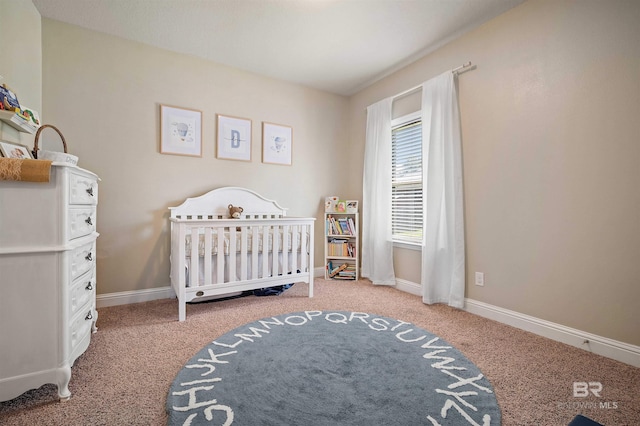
[292,238]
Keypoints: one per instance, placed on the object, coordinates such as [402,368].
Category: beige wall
[21,59]
[550,145]
[550,124]
[104,95]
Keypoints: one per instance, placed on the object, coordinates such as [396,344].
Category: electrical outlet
[480,278]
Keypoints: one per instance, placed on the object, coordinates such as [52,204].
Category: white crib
[263,248]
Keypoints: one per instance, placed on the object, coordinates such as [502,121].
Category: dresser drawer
[82,293]
[82,189]
[80,327]
[82,259]
[82,221]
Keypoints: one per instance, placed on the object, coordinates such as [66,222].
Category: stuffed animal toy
[234,213]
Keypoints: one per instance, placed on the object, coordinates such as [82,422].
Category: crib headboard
[215,205]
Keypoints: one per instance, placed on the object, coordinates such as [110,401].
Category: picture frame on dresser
[14,150]
[180,131]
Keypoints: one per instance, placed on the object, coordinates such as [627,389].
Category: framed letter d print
[234,138]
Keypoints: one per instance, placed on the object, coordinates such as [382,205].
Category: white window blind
[406,182]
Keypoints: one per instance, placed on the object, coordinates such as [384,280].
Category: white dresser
[47,278]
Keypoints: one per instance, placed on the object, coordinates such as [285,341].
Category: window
[406,180]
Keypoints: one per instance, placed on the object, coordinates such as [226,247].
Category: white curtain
[443,258]
[377,246]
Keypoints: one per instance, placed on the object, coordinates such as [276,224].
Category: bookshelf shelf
[341,246]
[17,122]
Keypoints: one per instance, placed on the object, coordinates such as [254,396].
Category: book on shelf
[332,227]
[335,271]
[340,247]
[344,271]
[344,226]
[340,226]
[347,273]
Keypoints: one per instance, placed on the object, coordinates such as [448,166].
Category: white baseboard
[620,351]
[134,296]
[409,287]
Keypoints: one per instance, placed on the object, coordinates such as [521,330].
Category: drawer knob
[88,220]
[89,257]
[90,191]
[89,286]
[89,316]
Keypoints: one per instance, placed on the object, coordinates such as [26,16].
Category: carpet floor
[124,376]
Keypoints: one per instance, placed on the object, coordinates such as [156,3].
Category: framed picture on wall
[234,138]
[180,131]
[14,150]
[277,143]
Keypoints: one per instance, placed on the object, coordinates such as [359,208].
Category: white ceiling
[340,46]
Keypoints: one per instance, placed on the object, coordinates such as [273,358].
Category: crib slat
[265,251]
[304,243]
[295,239]
[308,258]
[208,252]
[243,253]
[220,256]
[195,254]
[254,252]
[231,270]
[285,249]
[275,249]
[179,246]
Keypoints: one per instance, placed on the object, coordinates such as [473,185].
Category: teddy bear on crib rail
[234,213]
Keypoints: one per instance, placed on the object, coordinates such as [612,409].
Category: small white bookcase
[341,246]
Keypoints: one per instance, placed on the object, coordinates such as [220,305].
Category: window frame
[395,123]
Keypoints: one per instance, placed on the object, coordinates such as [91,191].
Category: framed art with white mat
[277,143]
[234,138]
[180,131]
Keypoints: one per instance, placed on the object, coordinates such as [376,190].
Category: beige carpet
[124,376]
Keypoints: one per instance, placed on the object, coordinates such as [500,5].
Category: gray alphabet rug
[330,368]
